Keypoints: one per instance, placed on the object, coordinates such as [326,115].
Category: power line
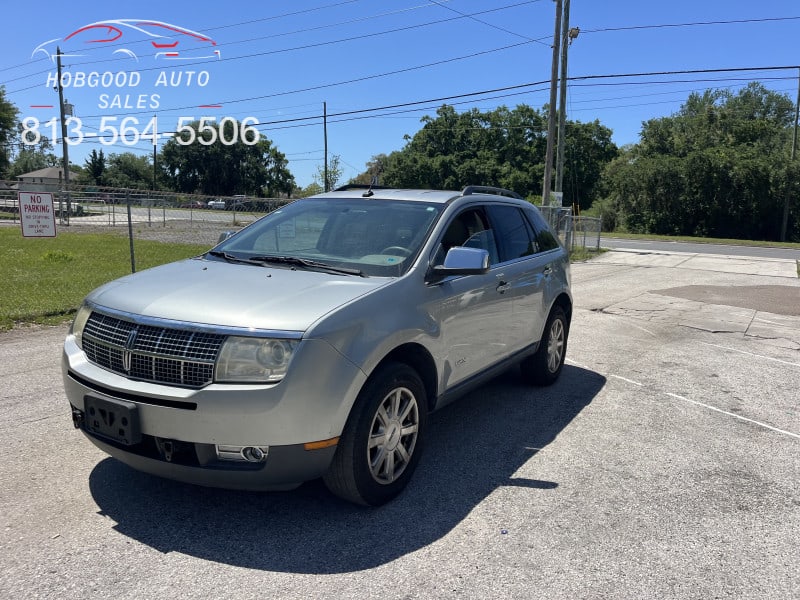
[344,116]
[338,83]
[574,102]
[384,14]
[573,79]
[273,18]
[491,91]
[431,3]
[291,49]
[472,17]
[283,15]
[691,24]
[514,90]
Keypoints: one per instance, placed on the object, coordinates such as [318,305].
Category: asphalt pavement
[663,464]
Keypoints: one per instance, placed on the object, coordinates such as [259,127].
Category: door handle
[548,270]
[503,286]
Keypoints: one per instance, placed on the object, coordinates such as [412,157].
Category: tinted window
[469,229]
[512,231]
[544,235]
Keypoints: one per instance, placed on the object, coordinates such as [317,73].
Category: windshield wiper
[232,258]
[287,260]
[308,263]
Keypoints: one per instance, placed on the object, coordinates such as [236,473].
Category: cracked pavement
[755,297]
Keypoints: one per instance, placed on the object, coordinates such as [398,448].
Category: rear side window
[544,235]
[514,235]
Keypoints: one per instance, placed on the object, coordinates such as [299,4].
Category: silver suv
[316,341]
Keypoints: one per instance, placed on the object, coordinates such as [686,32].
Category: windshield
[375,237]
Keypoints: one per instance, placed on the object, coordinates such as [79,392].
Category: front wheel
[382,441]
[544,367]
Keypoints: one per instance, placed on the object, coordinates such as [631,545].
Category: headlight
[254,360]
[79,323]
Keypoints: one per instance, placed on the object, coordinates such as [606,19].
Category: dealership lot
[663,464]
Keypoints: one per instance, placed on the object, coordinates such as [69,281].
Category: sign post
[36,214]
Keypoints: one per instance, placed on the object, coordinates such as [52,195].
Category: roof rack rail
[485,189]
[359,186]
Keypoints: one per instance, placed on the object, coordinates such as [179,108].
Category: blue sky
[279,62]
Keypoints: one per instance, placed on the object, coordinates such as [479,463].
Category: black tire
[544,367]
[391,410]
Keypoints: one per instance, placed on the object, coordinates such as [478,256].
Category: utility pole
[64,144]
[155,141]
[566,39]
[785,221]
[551,117]
[325,129]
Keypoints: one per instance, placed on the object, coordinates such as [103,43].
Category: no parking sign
[36,214]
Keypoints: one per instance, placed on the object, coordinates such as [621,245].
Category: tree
[335,171]
[33,157]
[127,170]
[95,166]
[8,130]
[587,150]
[374,171]
[310,190]
[504,147]
[252,166]
[718,167]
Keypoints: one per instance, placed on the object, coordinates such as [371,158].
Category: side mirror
[461,261]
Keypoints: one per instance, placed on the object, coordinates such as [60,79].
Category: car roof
[434,196]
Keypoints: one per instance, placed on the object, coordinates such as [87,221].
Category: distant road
[661,246]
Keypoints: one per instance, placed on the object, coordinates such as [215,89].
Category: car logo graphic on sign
[125,36]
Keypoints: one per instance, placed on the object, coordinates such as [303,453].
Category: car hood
[233,295]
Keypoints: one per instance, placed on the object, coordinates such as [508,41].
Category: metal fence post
[130,233]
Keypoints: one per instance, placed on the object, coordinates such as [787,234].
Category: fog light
[253,454]
[242,453]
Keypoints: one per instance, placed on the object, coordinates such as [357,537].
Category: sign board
[36,214]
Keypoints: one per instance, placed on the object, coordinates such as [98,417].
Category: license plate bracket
[113,419]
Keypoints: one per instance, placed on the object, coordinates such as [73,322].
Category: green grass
[700,240]
[579,253]
[43,280]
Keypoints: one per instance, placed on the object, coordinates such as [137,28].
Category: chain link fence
[171,216]
[560,220]
[573,231]
[586,232]
[154,214]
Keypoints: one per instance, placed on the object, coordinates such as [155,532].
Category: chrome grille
[146,352]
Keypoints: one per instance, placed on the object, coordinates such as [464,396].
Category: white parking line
[579,365]
[730,414]
[784,362]
[627,380]
[703,404]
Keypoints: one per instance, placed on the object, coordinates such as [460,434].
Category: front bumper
[311,404]
[285,467]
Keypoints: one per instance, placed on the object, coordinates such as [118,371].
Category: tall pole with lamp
[551,117]
[64,144]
